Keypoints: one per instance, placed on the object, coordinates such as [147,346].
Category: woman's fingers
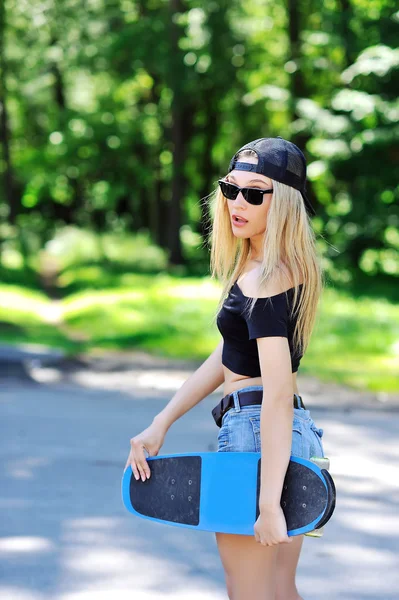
[138,462]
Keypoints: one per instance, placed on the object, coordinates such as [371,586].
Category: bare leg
[287,562]
[250,568]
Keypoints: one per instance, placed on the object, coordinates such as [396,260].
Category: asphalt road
[65,534]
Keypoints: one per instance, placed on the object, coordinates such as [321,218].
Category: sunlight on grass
[355,340]
[78,303]
[20,305]
[172,318]
[23,319]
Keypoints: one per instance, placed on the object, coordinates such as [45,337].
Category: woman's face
[255,215]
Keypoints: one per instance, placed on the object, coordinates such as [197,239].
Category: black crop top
[269,318]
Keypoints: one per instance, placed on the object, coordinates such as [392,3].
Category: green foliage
[97,107]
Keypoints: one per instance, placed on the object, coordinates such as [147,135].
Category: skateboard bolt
[304,487]
[304,505]
[173,480]
[189,482]
[189,498]
[172,496]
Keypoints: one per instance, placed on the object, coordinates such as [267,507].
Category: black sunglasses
[251,195]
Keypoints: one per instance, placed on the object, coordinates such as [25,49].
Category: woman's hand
[151,439]
[271,527]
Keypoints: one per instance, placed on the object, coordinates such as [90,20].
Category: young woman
[263,251]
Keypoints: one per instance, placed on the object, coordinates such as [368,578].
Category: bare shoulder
[249,283]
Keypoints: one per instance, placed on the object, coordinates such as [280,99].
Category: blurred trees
[120,115]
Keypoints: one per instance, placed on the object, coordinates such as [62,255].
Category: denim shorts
[240,430]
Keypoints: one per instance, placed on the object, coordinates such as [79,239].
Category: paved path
[65,535]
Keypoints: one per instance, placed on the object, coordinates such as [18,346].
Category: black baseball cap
[279,159]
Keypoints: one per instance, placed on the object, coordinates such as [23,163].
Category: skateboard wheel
[316,532]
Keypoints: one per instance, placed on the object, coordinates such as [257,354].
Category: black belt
[245,398]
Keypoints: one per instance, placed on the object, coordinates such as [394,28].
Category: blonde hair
[289,240]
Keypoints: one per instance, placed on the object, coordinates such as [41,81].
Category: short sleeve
[269,318]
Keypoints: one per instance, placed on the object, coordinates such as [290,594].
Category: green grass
[160,314]
[25,318]
[355,341]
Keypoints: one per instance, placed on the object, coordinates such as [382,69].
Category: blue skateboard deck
[219,491]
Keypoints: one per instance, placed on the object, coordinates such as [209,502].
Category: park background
[118,117]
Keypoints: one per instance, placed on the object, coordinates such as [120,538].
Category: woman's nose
[241,199]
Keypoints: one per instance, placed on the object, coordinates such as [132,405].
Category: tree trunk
[177,139]
[206,164]
[9,186]
[298,88]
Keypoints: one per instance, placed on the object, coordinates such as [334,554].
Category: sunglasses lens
[252,196]
[229,191]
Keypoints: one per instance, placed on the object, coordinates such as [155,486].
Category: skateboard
[219,492]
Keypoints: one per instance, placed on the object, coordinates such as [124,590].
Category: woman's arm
[205,380]
[276,419]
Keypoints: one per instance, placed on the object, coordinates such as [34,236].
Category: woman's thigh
[250,568]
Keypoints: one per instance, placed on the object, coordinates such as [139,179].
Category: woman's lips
[238,223]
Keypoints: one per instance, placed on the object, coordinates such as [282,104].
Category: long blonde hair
[289,240]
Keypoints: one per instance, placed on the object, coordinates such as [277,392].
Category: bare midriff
[233,381]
